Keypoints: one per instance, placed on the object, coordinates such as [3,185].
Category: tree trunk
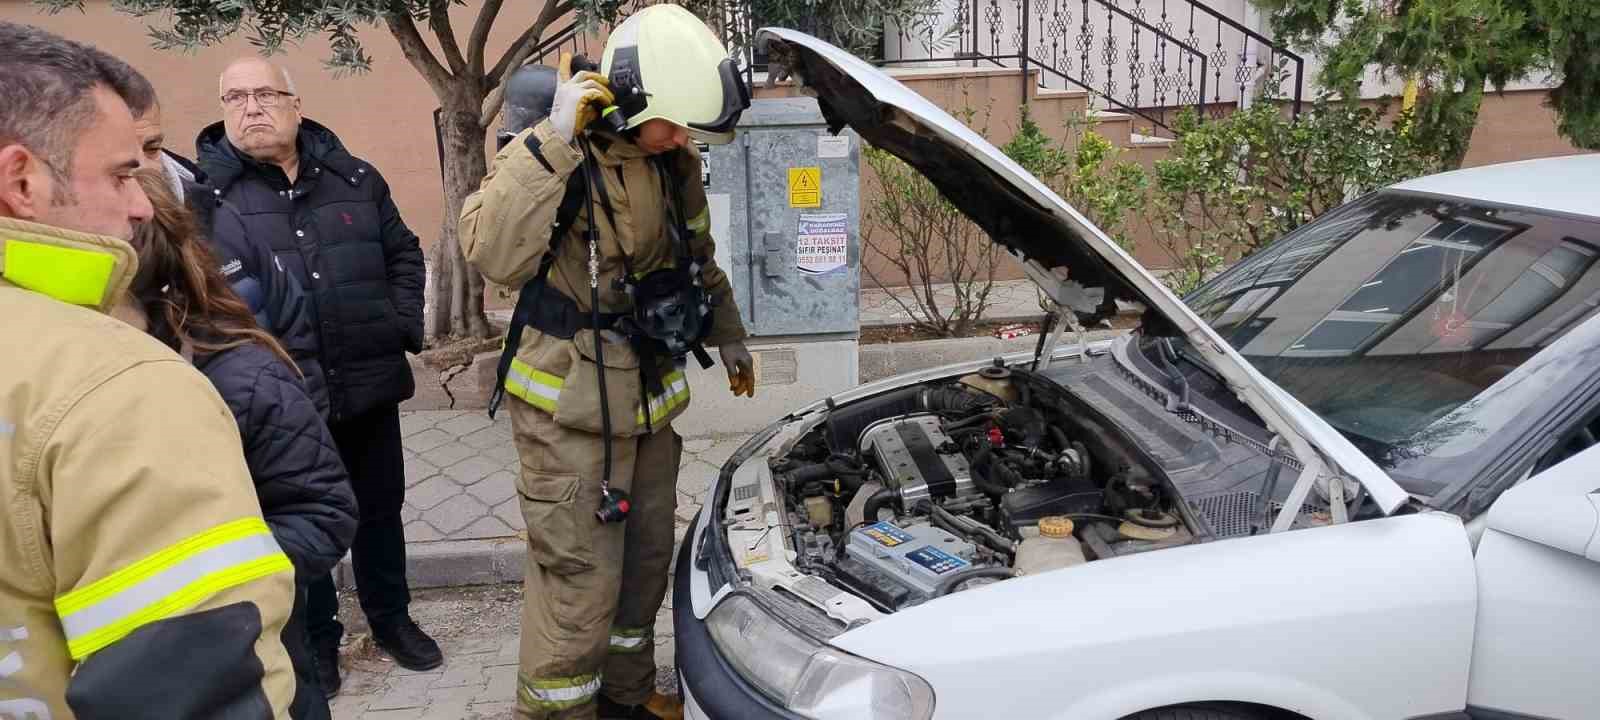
[458,289]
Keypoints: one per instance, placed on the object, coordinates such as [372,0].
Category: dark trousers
[309,701]
[370,447]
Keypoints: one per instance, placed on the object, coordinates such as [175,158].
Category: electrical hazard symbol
[805,187]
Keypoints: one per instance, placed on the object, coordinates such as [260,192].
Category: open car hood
[1072,260]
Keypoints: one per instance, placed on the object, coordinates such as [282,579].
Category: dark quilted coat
[337,230]
[304,490]
[274,295]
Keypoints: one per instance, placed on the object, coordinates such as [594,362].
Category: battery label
[939,561]
[886,534]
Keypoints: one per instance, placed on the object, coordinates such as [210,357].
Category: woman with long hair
[180,297]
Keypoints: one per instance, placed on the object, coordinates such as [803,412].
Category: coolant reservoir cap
[1055,526]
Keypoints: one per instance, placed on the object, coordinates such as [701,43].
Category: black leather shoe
[410,647]
[327,659]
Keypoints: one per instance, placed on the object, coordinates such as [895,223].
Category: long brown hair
[187,299]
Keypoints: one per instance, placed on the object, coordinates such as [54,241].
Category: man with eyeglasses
[330,219]
[274,296]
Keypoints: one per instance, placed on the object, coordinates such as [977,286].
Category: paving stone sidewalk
[460,469]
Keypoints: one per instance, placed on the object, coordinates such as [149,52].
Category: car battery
[921,556]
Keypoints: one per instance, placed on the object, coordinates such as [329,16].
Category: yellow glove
[579,99]
[741,369]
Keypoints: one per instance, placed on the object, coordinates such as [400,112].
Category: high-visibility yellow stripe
[701,223]
[557,693]
[629,640]
[675,393]
[536,387]
[70,275]
[167,583]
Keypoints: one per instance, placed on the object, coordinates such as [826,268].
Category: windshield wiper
[1180,401]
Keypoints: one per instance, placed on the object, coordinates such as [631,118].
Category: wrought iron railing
[1150,58]
[1147,57]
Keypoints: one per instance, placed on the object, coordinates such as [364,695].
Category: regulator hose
[951,582]
[875,503]
[981,461]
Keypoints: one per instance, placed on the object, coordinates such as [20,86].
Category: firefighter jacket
[137,577]
[505,232]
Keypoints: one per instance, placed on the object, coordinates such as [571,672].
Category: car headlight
[811,679]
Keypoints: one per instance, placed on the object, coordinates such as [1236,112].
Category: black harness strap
[535,304]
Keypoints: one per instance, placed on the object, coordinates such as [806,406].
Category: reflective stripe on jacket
[132,545]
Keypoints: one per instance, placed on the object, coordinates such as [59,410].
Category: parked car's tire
[1198,712]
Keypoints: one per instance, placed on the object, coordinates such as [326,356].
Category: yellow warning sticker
[805,187]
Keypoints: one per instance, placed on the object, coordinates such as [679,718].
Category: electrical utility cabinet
[785,201]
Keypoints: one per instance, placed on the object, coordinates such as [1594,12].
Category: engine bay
[932,489]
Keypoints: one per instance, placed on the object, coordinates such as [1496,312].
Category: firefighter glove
[741,369]
[579,99]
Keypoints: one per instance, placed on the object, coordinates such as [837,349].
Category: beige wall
[385,117]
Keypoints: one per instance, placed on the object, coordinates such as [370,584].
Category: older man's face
[260,115]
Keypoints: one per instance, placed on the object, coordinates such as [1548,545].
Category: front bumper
[712,690]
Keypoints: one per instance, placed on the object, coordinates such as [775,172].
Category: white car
[1351,478]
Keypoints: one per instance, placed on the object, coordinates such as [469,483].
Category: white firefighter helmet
[663,62]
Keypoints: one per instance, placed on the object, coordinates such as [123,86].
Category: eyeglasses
[264,98]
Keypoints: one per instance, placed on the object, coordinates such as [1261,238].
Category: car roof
[1567,184]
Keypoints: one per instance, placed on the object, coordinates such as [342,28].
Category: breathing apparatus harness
[671,309]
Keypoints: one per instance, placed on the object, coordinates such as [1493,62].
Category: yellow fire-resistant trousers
[591,590]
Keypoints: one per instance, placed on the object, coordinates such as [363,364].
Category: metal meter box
[793,212]
[785,202]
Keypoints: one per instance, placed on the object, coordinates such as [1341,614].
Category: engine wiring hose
[877,502]
[950,583]
[984,535]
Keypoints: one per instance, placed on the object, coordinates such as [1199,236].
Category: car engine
[935,488]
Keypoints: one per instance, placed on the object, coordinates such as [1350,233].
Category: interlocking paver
[497,488]
[419,531]
[484,527]
[409,691]
[427,440]
[510,513]
[449,453]
[471,470]
[467,424]
[486,438]
[456,513]
[418,470]
[429,493]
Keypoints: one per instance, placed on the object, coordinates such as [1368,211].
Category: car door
[1537,640]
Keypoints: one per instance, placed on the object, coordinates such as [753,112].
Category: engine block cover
[907,450]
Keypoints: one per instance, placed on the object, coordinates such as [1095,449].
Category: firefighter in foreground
[137,576]
[598,214]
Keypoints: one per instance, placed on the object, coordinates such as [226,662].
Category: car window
[1402,319]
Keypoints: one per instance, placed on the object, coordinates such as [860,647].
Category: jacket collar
[78,268]
[223,164]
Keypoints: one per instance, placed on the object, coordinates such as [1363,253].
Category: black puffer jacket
[337,230]
[302,484]
[275,297]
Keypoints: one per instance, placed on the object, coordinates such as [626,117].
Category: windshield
[1390,314]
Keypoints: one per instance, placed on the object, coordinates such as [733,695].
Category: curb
[453,563]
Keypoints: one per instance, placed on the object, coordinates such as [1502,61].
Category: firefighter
[598,214]
[137,576]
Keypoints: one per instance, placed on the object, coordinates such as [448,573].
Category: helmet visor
[735,100]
